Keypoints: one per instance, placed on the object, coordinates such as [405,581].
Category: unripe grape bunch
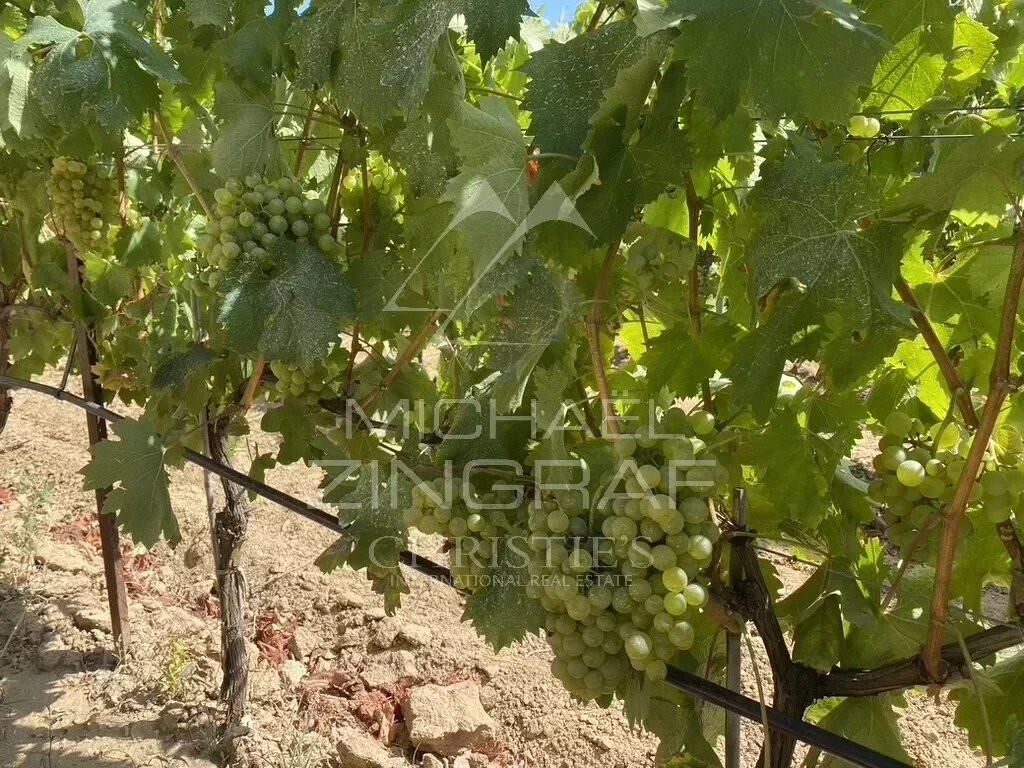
[656,258]
[620,584]
[322,379]
[472,531]
[84,201]
[384,197]
[864,127]
[920,468]
[250,216]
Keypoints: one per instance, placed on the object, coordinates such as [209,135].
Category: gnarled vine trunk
[230,527]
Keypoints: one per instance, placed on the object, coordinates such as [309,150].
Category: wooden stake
[113,566]
[733,655]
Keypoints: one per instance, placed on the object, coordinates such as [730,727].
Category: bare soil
[66,702]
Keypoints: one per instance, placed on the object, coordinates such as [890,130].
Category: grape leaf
[134,463]
[424,145]
[104,82]
[384,55]
[376,534]
[908,76]
[176,372]
[974,50]
[143,246]
[215,13]
[533,318]
[807,216]
[818,638]
[490,23]
[733,48]
[870,722]
[981,560]
[15,74]
[569,81]
[631,174]
[292,421]
[294,312]
[490,195]
[899,18]
[977,176]
[313,38]
[246,142]
[500,610]
[254,51]
[1003,690]
[674,718]
[13,22]
[790,480]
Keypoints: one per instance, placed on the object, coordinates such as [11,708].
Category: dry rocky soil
[333,681]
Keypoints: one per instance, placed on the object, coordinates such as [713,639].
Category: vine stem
[172,152]
[352,352]
[415,345]
[588,415]
[304,143]
[959,391]
[1011,541]
[596,18]
[494,92]
[92,390]
[693,206]
[999,389]
[594,322]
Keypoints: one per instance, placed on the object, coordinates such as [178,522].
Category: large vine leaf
[103,71]
[1002,686]
[529,322]
[674,718]
[490,196]
[973,177]
[870,722]
[818,638]
[734,48]
[569,82]
[384,53]
[632,173]
[500,609]
[292,312]
[898,18]
[133,466]
[246,143]
[491,23]
[372,513]
[814,252]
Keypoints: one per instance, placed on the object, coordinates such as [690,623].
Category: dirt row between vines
[328,667]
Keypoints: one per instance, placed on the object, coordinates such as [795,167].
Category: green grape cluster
[619,586]
[619,583]
[250,216]
[656,257]
[384,198]
[435,511]
[315,382]
[84,200]
[920,468]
